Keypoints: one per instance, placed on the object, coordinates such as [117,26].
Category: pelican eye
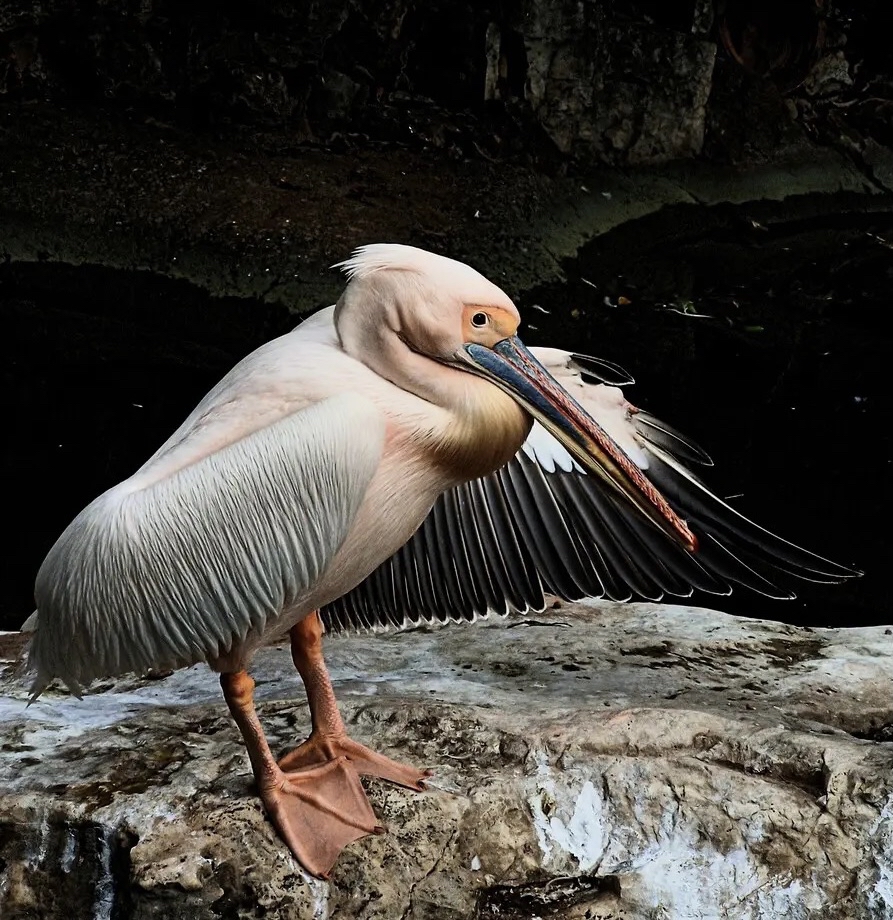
[479,320]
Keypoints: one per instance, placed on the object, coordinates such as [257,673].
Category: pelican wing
[182,569]
[541,525]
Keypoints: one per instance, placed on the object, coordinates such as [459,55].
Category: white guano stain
[881,832]
[104,893]
[36,855]
[686,879]
[320,891]
[667,865]
[582,835]
[70,851]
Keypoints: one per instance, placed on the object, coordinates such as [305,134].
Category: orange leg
[328,739]
[317,811]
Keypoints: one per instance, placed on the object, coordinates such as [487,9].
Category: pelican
[398,457]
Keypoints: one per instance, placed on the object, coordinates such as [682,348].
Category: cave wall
[594,82]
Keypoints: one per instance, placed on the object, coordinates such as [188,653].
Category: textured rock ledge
[255,217]
[607,761]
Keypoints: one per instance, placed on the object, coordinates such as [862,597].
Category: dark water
[785,381]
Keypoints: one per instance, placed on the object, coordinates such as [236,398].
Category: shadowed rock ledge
[631,762]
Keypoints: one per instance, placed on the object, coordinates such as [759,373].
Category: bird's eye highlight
[479,320]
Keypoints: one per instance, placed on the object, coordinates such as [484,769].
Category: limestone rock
[631,762]
[609,91]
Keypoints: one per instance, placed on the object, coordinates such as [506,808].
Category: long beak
[514,369]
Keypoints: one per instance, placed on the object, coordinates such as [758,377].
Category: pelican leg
[328,738]
[317,812]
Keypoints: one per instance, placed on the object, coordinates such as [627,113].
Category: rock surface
[604,761]
[605,89]
[253,217]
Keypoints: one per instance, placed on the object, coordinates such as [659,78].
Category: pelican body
[398,457]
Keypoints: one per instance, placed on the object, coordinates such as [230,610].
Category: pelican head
[407,303]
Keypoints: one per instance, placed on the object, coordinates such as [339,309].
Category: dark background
[135,137]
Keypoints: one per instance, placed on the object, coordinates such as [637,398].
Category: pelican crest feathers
[467,284]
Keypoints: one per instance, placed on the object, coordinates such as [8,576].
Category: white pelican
[378,464]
